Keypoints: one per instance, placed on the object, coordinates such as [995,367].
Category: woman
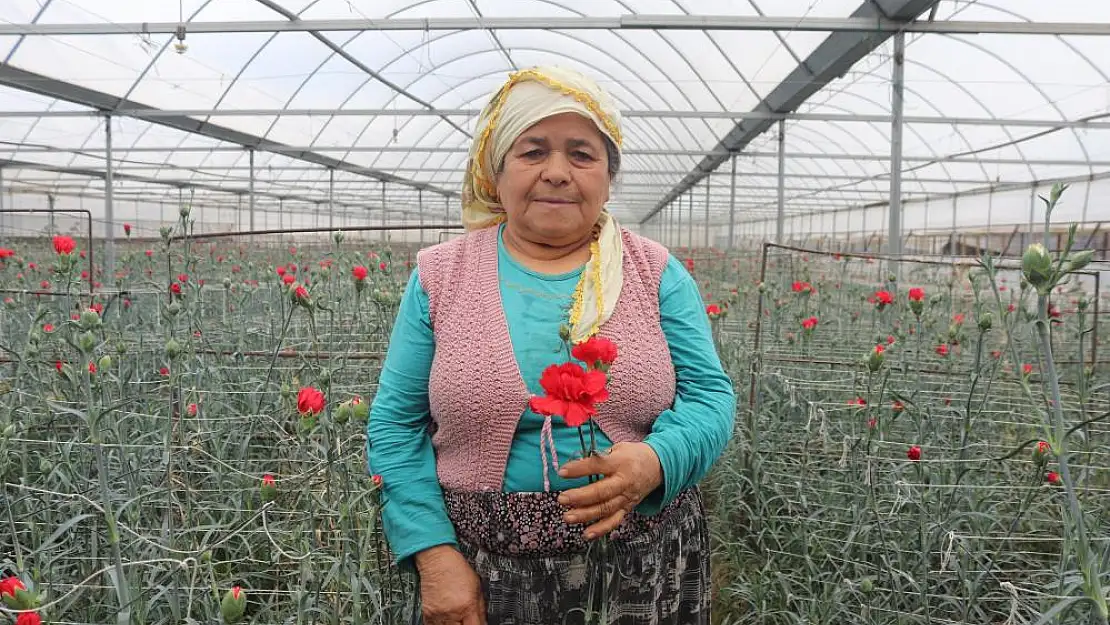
[474,495]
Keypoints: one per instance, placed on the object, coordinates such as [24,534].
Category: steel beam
[52,88]
[875,22]
[732,204]
[828,61]
[1091,123]
[109,207]
[898,90]
[781,213]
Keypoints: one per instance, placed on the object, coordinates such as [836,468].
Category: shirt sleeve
[691,435]
[398,443]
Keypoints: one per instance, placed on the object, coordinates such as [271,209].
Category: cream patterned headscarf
[527,98]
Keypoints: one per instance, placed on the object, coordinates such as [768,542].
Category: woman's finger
[606,525]
[598,511]
[603,490]
[592,465]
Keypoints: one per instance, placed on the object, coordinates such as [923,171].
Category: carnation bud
[234,604]
[185,210]
[1041,451]
[86,341]
[105,362]
[173,309]
[1083,303]
[1078,260]
[286,391]
[564,332]
[875,361]
[227,283]
[268,488]
[342,412]
[1036,268]
[360,409]
[173,349]
[121,348]
[89,319]
[867,585]
[338,236]
[985,321]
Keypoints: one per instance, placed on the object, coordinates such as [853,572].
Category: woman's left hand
[631,471]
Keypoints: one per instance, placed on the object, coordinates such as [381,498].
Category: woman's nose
[556,169]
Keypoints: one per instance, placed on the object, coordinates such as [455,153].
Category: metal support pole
[50,204]
[690,223]
[894,243]
[2,206]
[732,204]
[331,198]
[420,202]
[109,204]
[780,213]
[384,237]
[708,179]
[250,190]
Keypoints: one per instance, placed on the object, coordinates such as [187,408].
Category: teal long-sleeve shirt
[688,438]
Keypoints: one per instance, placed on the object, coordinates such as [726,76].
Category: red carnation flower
[9,585]
[595,352]
[382,266]
[281,271]
[175,288]
[127,229]
[914,453]
[310,400]
[1027,369]
[917,294]
[28,618]
[64,245]
[810,323]
[288,279]
[360,272]
[571,393]
[1052,477]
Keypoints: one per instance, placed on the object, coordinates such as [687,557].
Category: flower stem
[1087,562]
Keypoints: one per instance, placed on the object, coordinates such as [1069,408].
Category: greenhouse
[890,220]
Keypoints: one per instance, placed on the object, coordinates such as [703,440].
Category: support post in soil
[732,204]
[109,204]
[898,89]
[780,211]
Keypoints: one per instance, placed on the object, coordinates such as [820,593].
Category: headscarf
[526,98]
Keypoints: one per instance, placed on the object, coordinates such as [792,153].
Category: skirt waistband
[531,524]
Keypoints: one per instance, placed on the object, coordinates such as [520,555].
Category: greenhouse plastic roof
[399,104]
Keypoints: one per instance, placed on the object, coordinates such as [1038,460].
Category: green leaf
[62,529]
[1059,609]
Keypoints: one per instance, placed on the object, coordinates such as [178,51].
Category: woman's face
[555,180]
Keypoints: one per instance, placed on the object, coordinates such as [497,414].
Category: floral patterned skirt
[537,570]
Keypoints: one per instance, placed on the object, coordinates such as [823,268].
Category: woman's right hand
[450,590]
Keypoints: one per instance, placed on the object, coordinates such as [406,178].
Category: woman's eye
[534,153]
[582,156]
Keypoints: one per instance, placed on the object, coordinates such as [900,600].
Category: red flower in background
[1027,369]
[281,271]
[917,294]
[175,288]
[382,266]
[571,393]
[127,229]
[809,324]
[310,400]
[9,585]
[288,279]
[883,299]
[182,278]
[942,349]
[64,245]
[360,272]
[594,351]
[6,253]
[713,311]
[1052,477]
[914,453]
[28,618]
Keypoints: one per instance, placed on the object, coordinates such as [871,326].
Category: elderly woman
[474,495]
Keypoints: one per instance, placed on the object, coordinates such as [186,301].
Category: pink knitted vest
[476,393]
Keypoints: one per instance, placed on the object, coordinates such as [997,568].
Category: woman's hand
[631,471]
[450,590]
